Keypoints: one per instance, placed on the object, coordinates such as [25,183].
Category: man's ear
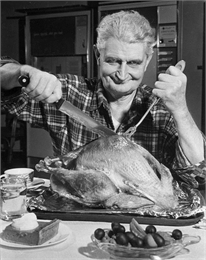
[97,54]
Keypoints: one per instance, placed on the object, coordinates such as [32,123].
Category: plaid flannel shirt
[157,133]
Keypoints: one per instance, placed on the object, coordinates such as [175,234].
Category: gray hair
[127,26]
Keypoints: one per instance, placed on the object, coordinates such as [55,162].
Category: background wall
[192,48]
[10,46]
[9,27]
[192,42]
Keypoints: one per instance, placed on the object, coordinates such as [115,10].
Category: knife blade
[69,109]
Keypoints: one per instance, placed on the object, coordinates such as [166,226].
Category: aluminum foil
[191,202]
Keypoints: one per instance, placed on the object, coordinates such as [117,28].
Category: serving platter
[49,205]
[105,216]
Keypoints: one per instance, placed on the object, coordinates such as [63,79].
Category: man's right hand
[43,86]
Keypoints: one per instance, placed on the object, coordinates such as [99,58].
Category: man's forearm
[190,138]
[9,74]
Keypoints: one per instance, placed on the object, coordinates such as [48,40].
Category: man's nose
[122,72]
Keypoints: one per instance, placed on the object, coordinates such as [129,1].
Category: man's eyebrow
[139,61]
[112,57]
[135,60]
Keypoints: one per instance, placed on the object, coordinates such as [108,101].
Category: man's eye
[112,61]
[133,63]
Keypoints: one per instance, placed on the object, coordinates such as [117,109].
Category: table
[80,247]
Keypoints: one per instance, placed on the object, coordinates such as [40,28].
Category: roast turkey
[112,172]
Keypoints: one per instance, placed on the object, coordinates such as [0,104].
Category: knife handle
[23,80]
[59,103]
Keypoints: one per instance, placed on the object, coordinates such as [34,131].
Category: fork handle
[181,66]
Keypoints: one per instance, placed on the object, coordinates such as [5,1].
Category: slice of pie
[44,232]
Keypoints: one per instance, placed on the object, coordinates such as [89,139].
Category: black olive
[99,233]
[114,224]
[134,240]
[110,233]
[177,234]
[130,235]
[150,229]
[122,239]
[118,229]
[158,239]
[137,242]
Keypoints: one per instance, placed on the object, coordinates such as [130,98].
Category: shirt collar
[143,95]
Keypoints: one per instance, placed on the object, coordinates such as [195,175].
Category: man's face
[122,66]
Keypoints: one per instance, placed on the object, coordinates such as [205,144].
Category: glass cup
[26,173]
[13,202]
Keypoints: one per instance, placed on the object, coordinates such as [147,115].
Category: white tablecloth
[78,246]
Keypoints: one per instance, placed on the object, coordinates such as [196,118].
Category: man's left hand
[171,88]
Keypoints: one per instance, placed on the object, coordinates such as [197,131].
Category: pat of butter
[26,222]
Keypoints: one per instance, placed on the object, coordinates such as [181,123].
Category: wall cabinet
[60,42]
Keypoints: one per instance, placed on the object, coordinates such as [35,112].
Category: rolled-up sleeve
[192,174]
[7,59]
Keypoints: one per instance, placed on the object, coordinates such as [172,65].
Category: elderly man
[117,100]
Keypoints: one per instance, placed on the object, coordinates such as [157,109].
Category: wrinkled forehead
[123,50]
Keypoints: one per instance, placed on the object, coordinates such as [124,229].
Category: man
[118,100]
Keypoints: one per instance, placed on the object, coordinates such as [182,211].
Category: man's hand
[43,86]
[171,88]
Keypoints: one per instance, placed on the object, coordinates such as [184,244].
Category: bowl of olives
[141,243]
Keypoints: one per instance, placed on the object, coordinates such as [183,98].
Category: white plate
[63,234]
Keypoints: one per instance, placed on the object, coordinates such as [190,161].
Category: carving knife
[68,108]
